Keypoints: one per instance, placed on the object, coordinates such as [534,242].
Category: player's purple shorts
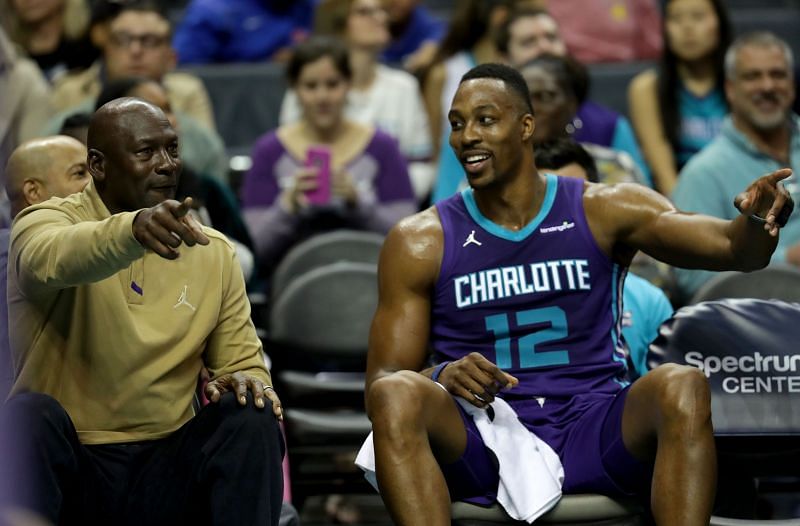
[590,448]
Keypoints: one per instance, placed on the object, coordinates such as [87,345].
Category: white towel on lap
[366,461]
[531,473]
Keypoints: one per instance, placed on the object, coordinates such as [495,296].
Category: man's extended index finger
[182,209]
[779,175]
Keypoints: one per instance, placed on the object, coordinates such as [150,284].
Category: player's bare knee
[684,394]
[395,399]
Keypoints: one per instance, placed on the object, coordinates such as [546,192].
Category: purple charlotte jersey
[543,303]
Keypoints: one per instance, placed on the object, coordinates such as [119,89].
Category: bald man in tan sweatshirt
[117,299]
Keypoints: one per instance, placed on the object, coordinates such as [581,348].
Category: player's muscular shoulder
[599,204]
[421,224]
[416,245]
[615,211]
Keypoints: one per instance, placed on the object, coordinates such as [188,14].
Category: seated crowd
[131,360]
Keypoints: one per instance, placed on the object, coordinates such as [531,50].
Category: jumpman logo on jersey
[471,239]
[182,299]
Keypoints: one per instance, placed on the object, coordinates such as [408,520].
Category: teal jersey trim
[502,232]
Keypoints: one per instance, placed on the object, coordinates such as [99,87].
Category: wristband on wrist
[786,211]
[438,371]
[781,219]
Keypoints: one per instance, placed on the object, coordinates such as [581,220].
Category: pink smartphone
[319,157]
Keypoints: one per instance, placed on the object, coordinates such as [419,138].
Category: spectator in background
[369,184]
[137,44]
[241,30]
[24,103]
[76,126]
[609,30]
[103,11]
[677,109]
[146,54]
[760,134]
[551,84]
[52,32]
[529,33]
[43,168]
[415,35]
[645,306]
[379,95]
[37,170]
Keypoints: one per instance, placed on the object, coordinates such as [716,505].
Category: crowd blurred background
[639,83]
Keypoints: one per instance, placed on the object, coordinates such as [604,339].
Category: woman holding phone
[385,97]
[324,171]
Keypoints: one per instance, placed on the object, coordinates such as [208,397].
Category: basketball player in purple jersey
[516,284]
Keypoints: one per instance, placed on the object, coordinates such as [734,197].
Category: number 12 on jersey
[554,322]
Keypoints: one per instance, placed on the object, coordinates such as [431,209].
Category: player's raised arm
[647,221]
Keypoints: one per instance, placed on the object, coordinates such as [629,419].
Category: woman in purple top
[368,178]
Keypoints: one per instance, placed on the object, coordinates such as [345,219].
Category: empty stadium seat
[571,510]
[733,5]
[781,21]
[323,249]
[780,282]
[246,99]
[318,340]
[609,83]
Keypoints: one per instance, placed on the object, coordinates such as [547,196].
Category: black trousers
[221,467]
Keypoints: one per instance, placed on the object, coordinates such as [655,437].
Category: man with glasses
[135,42]
[138,44]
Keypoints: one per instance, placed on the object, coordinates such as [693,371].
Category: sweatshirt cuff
[129,246]
[258,373]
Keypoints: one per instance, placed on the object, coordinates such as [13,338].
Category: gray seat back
[323,249]
[780,282]
[246,99]
[327,311]
[609,82]
[748,350]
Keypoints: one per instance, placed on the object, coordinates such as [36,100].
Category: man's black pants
[221,467]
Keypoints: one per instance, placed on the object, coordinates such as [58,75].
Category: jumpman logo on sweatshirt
[182,299]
